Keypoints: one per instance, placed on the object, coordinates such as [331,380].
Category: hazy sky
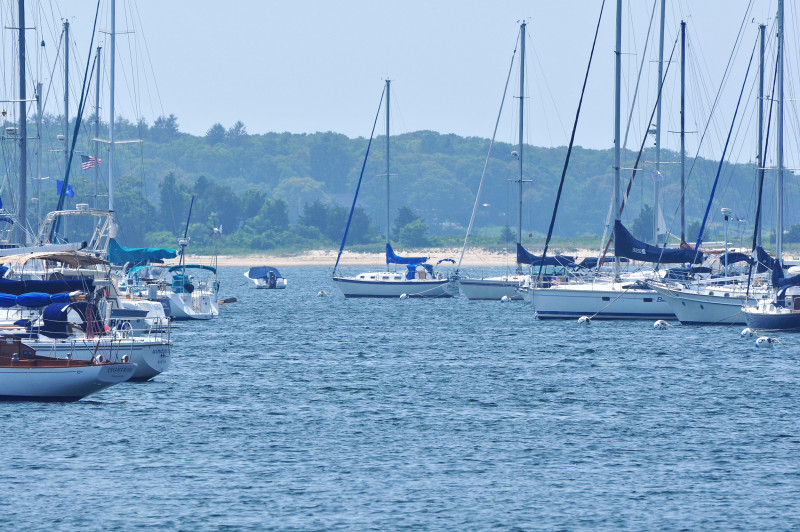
[307,66]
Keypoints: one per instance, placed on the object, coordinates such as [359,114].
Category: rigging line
[52,72]
[571,142]
[150,61]
[641,150]
[81,106]
[639,76]
[486,162]
[358,186]
[722,83]
[724,151]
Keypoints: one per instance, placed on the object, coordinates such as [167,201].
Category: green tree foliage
[507,234]
[258,185]
[415,234]
[643,224]
[215,134]
[404,217]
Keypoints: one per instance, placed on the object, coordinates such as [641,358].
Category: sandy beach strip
[327,257]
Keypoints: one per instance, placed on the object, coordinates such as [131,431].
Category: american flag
[87,161]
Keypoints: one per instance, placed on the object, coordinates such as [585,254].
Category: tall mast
[96,126]
[617,77]
[66,93]
[657,183]
[111,108]
[683,131]
[779,213]
[760,148]
[521,131]
[388,86]
[23,131]
[39,153]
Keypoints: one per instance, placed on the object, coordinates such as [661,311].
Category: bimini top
[119,254]
[178,267]
[70,258]
[262,272]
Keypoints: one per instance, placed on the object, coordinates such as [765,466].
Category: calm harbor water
[292,411]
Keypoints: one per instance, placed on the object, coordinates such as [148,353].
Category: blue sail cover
[262,272]
[393,258]
[32,299]
[735,256]
[119,254]
[765,262]
[525,257]
[627,246]
[56,325]
[10,286]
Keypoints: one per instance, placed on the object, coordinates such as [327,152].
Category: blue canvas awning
[119,254]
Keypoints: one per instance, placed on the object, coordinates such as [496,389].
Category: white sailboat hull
[492,288]
[352,287]
[693,307]
[600,301]
[60,383]
[151,356]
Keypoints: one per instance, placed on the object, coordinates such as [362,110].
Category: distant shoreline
[327,257]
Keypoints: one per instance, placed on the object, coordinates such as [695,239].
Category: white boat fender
[505,299]
[403,296]
[322,293]
[747,332]
[765,341]
[584,320]
[661,325]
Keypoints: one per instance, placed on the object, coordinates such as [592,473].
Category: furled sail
[626,245]
[394,258]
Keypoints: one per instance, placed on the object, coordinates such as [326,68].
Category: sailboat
[26,375]
[506,286]
[615,297]
[782,312]
[420,278]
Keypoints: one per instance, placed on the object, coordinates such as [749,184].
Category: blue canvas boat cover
[627,246]
[32,299]
[119,254]
[525,257]
[56,325]
[735,256]
[765,261]
[412,270]
[262,272]
[10,286]
[393,258]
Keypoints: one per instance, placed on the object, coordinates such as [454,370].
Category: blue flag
[60,185]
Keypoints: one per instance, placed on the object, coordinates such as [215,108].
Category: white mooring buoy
[747,332]
[505,299]
[584,320]
[403,296]
[661,325]
[765,341]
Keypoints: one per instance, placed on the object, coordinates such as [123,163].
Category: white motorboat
[26,375]
[266,277]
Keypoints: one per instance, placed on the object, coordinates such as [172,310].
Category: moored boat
[28,376]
